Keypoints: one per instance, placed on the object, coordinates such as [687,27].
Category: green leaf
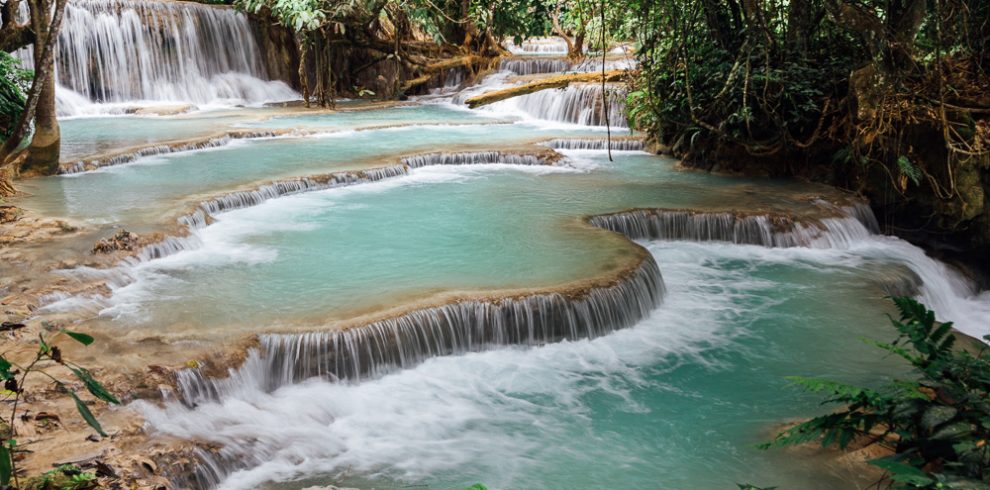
[6,465]
[44,349]
[5,366]
[86,414]
[903,472]
[94,386]
[908,169]
[80,337]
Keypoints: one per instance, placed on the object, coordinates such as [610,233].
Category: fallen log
[558,81]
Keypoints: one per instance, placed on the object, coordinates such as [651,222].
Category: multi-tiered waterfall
[113,51]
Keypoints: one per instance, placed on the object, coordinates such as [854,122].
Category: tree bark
[800,23]
[303,76]
[43,153]
[718,24]
[41,78]
[13,35]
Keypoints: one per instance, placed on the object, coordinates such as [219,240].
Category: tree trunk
[303,76]
[575,51]
[718,24]
[800,20]
[43,153]
[8,157]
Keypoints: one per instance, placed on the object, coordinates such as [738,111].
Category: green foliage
[68,477]
[299,15]
[64,477]
[909,169]
[783,83]
[939,422]
[477,486]
[14,83]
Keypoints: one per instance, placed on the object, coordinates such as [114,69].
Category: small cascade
[86,165]
[534,66]
[538,66]
[475,158]
[593,65]
[620,144]
[539,45]
[378,348]
[127,50]
[243,199]
[764,230]
[576,104]
[454,77]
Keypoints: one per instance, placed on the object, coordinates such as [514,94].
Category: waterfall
[87,165]
[535,66]
[113,51]
[592,65]
[575,104]
[768,230]
[378,348]
[539,45]
[618,144]
[475,158]
[243,199]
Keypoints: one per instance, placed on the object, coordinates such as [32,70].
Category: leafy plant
[14,83]
[938,424]
[13,387]
[64,477]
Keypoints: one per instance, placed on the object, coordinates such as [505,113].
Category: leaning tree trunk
[43,153]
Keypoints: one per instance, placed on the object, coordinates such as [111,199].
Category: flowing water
[502,327]
[114,53]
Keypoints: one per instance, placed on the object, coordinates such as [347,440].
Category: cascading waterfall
[378,348]
[475,158]
[764,230]
[87,165]
[536,66]
[576,104]
[938,286]
[243,199]
[618,144]
[545,45]
[112,51]
[593,65]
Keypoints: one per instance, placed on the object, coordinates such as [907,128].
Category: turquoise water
[678,401]
[146,191]
[93,135]
[322,256]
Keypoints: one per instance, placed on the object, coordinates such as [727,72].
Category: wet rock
[122,240]
[9,214]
